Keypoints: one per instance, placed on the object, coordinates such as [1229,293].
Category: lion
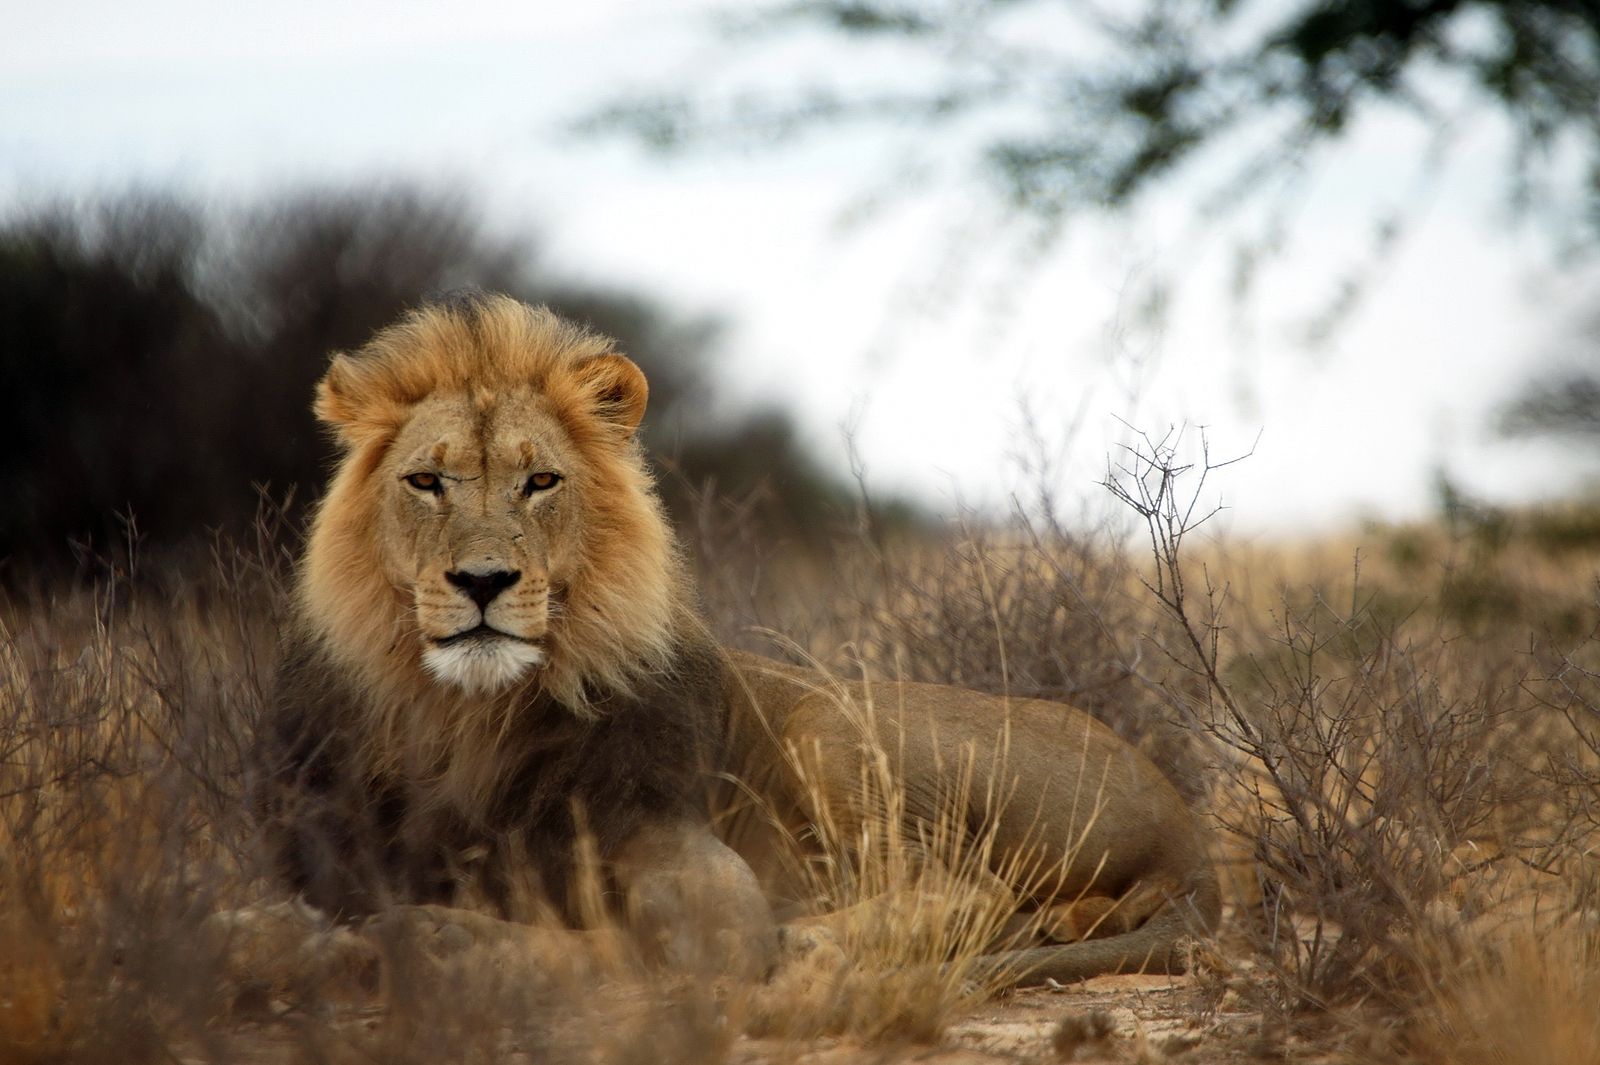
[497,671]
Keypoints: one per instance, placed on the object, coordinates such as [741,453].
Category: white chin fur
[481,666]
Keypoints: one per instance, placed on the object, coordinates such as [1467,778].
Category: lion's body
[497,653]
[1040,799]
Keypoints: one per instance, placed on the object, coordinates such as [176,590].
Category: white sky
[234,99]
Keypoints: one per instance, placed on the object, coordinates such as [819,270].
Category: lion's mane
[380,777]
[628,598]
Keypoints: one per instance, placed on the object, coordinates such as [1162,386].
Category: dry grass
[907,918]
[1402,755]
[1517,1001]
[120,827]
[126,734]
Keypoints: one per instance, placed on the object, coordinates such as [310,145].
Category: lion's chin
[484,665]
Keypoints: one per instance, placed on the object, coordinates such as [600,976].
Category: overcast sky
[916,327]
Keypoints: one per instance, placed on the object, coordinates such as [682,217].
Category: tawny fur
[628,711]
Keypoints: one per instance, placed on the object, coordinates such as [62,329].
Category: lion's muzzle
[487,632]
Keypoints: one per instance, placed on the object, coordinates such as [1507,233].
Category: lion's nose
[482,587]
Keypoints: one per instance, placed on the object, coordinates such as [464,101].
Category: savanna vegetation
[1396,736]
[1395,733]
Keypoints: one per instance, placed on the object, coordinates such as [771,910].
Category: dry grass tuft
[904,918]
[1530,999]
[119,832]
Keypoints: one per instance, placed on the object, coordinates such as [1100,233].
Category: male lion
[497,665]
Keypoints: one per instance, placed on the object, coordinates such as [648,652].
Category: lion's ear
[339,403]
[616,390]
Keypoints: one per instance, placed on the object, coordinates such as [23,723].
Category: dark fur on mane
[352,844]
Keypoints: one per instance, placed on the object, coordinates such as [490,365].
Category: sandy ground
[453,1016]
[1145,1020]
[1108,1019]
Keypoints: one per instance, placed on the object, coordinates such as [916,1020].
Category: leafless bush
[122,730]
[1377,771]
[1571,690]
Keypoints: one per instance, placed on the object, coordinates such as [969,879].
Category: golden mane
[628,598]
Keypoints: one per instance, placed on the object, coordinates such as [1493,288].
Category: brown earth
[1123,1019]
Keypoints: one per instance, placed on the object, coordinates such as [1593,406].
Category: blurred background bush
[157,360]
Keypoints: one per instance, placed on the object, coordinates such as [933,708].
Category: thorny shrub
[1407,794]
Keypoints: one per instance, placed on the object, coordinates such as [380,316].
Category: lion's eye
[425,482]
[540,482]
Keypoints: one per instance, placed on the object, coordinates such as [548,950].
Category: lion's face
[479,521]
[492,521]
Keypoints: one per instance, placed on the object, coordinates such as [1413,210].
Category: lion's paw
[439,931]
[287,947]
